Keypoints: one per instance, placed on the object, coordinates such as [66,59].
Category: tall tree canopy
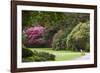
[79,37]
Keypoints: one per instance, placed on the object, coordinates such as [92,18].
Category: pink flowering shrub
[34,35]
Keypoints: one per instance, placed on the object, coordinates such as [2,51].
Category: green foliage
[87,47]
[29,56]
[43,56]
[66,23]
[63,30]
[79,37]
[59,41]
[41,17]
[26,53]
[26,18]
[48,19]
[49,33]
[28,59]
[24,39]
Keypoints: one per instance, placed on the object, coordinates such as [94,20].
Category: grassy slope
[60,55]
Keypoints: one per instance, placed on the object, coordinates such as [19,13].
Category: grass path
[60,55]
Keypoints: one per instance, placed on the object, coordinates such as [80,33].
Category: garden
[54,36]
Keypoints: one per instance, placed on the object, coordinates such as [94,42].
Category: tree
[79,37]
[59,42]
[41,17]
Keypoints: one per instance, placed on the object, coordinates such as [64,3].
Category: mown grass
[60,55]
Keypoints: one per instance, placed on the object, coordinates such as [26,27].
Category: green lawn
[60,55]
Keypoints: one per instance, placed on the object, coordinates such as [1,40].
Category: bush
[34,36]
[59,42]
[79,37]
[37,56]
[26,53]
[43,56]
[87,47]
[24,39]
[28,59]
[49,33]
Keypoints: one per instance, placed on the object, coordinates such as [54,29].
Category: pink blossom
[34,33]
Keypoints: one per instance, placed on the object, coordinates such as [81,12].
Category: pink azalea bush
[34,34]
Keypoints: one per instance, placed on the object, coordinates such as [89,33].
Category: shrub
[79,37]
[43,56]
[28,59]
[87,47]
[59,42]
[49,33]
[37,56]
[34,35]
[24,39]
[26,53]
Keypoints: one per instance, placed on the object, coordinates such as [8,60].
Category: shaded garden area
[46,35]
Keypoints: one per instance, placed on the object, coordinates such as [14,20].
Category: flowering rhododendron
[34,34]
